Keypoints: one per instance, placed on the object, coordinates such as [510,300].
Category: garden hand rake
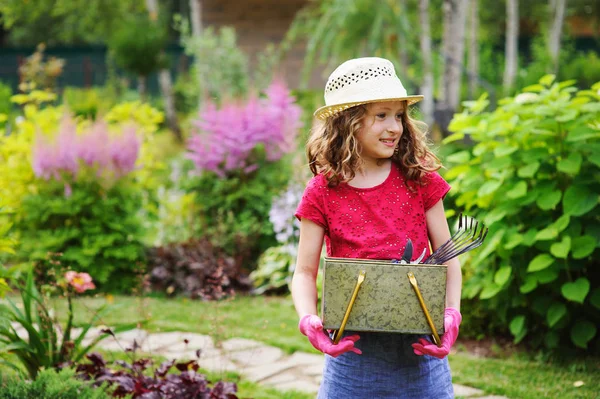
[468,237]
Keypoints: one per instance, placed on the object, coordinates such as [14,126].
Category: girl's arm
[439,233]
[304,282]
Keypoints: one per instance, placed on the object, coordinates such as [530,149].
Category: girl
[375,186]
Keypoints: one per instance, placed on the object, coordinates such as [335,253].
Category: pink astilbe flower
[109,155]
[225,138]
[81,282]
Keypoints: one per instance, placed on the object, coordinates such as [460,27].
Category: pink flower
[81,282]
[225,138]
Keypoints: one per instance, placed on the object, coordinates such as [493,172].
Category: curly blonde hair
[332,148]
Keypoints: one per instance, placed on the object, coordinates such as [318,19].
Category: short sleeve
[434,189]
[311,205]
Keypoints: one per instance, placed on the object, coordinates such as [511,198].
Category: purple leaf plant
[111,156]
[223,138]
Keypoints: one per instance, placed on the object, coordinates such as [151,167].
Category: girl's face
[381,130]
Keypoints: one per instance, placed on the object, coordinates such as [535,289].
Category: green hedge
[533,176]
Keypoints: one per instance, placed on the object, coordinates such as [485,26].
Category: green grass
[272,320]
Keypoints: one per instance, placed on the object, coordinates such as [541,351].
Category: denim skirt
[387,368]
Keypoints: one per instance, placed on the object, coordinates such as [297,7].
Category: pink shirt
[375,222]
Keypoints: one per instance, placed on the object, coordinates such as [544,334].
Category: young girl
[375,186]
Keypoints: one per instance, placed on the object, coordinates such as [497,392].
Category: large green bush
[533,176]
[96,229]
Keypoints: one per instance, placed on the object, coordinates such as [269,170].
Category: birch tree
[557,10]
[425,41]
[165,82]
[453,53]
[473,60]
[511,45]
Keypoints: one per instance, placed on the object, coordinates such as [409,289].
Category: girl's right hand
[312,326]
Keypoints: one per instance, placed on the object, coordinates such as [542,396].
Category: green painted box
[386,301]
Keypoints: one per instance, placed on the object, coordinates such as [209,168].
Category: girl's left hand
[452,319]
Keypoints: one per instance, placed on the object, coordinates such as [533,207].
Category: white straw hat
[361,81]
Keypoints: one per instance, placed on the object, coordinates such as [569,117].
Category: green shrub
[87,102]
[50,385]
[235,211]
[97,230]
[5,94]
[533,176]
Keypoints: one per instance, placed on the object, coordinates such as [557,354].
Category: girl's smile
[381,131]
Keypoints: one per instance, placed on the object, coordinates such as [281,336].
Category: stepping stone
[307,358]
[238,344]
[262,372]
[256,356]
[175,342]
[465,391]
[131,335]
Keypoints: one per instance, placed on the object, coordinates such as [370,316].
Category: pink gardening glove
[452,319]
[312,326]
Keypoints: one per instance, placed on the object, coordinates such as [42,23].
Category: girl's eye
[381,115]
[399,116]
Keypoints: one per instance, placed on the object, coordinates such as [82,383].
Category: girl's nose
[395,126]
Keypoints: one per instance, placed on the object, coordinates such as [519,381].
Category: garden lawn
[273,321]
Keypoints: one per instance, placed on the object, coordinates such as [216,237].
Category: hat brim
[331,110]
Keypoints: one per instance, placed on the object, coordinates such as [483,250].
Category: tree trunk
[141,86]
[511,46]
[196,18]
[473,63]
[403,51]
[165,83]
[453,53]
[558,9]
[427,86]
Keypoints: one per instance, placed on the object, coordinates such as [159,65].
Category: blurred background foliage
[521,156]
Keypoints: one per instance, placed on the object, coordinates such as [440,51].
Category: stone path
[254,360]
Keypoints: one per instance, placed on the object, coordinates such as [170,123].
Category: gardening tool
[464,240]
[420,258]
[413,282]
[407,255]
[338,334]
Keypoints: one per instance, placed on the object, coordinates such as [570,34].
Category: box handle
[338,334]
[413,282]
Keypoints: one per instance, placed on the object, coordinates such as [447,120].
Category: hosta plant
[533,176]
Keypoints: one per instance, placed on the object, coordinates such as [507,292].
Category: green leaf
[489,187]
[528,170]
[549,201]
[583,246]
[561,249]
[459,157]
[579,200]
[504,149]
[577,290]
[489,291]
[581,133]
[549,233]
[534,88]
[551,339]
[547,80]
[518,191]
[529,237]
[540,262]
[517,325]
[530,285]
[513,241]
[595,298]
[582,333]
[571,164]
[494,216]
[566,115]
[502,275]
[546,276]
[556,312]
[562,223]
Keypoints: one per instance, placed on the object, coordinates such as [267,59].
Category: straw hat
[361,81]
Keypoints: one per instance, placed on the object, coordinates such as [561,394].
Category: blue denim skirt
[387,368]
